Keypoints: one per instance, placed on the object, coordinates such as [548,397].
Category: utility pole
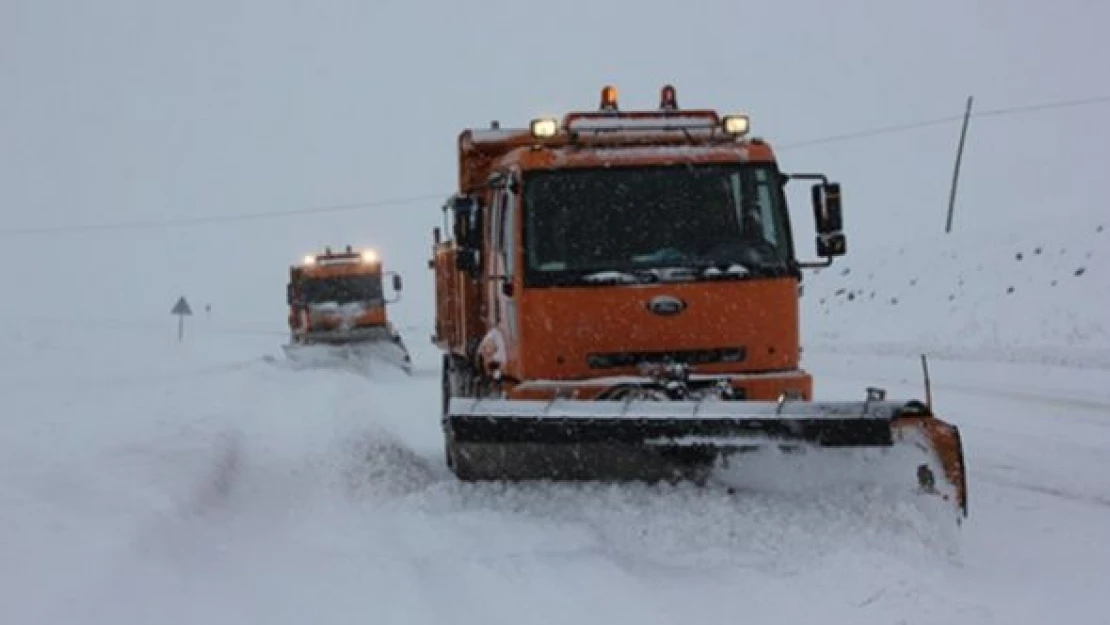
[956,169]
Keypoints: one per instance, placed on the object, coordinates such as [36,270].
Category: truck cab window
[634,220]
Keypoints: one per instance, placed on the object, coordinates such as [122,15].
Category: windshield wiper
[702,270]
[669,274]
[648,275]
[731,270]
[614,277]
[685,272]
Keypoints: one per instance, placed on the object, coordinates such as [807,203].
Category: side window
[736,191]
[766,201]
[772,209]
[494,238]
[495,220]
[508,234]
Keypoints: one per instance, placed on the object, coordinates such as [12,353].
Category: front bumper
[796,384]
[341,336]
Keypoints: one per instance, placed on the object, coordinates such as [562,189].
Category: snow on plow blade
[346,355]
[686,440]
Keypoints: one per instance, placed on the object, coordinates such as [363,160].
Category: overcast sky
[120,111]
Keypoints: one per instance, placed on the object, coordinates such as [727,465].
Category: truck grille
[613,360]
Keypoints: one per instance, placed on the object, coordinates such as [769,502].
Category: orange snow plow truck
[617,298]
[337,310]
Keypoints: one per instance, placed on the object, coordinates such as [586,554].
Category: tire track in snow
[997,476]
[1098,406]
[214,492]
[376,464]
[1047,399]
[185,534]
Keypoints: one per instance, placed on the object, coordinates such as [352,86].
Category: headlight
[736,124]
[369,256]
[544,128]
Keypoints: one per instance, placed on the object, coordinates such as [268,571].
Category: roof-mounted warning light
[609,98]
[349,255]
[668,99]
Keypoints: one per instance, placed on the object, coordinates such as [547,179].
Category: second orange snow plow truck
[617,297]
[337,309]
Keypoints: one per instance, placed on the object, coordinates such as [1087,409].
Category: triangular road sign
[181,307]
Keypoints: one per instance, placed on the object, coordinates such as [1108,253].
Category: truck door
[506,289]
[501,265]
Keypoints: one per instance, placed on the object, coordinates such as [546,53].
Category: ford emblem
[666,306]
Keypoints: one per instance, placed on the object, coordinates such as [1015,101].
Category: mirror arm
[816,264]
[822,177]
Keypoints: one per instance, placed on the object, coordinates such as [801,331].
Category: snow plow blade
[349,354]
[567,440]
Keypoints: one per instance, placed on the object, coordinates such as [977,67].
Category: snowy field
[1033,291]
[146,481]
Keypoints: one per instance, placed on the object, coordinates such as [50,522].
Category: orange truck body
[338,299]
[573,340]
[595,258]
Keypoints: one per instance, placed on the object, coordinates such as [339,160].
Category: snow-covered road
[1037,438]
[198,483]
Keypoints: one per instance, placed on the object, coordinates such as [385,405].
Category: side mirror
[395,282]
[826,208]
[828,220]
[829,245]
[289,294]
[465,209]
[468,232]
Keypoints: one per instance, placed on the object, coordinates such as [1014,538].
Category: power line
[885,130]
[1045,106]
[1013,110]
[188,221]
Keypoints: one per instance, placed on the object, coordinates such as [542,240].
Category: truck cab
[339,297]
[598,256]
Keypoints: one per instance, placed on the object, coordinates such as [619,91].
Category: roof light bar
[349,255]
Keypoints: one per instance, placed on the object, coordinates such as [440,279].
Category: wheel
[445,399]
[445,383]
[457,380]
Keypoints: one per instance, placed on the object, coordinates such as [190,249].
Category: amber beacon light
[668,99]
[609,98]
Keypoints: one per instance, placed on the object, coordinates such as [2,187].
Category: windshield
[634,224]
[343,289]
